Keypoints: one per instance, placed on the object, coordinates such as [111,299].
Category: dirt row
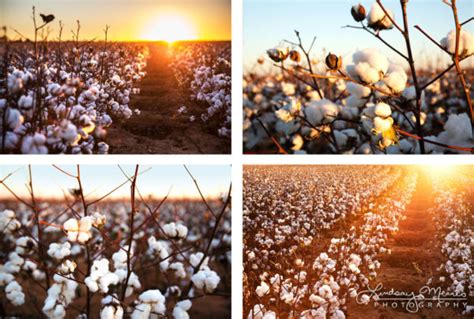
[413,260]
[160,129]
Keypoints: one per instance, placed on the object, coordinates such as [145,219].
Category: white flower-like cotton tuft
[100,276]
[59,251]
[15,293]
[466,43]
[79,230]
[150,301]
[206,279]
[180,310]
[175,230]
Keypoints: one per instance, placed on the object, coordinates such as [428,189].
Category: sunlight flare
[170,27]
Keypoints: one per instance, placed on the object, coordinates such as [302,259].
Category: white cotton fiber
[466,43]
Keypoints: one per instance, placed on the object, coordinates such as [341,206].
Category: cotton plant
[78,98]
[203,72]
[92,254]
[421,100]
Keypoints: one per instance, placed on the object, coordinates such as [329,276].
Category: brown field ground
[160,129]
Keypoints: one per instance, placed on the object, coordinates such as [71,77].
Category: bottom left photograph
[110,241]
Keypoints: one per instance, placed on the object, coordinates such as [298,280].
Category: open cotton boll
[383,109]
[67,267]
[396,81]
[457,131]
[98,219]
[358,90]
[111,308]
[262,289]
[14,263]
[196,258]
[178,267]
[363,72]
[25,102]
[381,125]
[148,302]
[206,279]
[8,221]
[34,144]
[100,276]
[373,57]
[181,308]
[15,293]
[59,251]
[175,230]
[322,111]
[13,119]
[78,230]
[378,20]
[466,43]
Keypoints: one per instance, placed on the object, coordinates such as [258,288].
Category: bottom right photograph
[358,241]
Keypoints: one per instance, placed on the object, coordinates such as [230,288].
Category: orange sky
[129,20]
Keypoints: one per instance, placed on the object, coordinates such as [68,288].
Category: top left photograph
[115,77]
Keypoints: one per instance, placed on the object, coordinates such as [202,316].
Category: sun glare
[170,27]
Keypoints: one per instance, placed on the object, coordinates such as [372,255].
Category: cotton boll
[111,308]
[13,119]
[381,125]
[181,308]
[34,144]
[383,110]
[466,43]
[358,90]
[321,111]
[149,301]
[262,289]
[79,230]
[409,93]
[298,142]
[396,81]
[174,230]
[364,72]
[196,258]
[15,293]
[457,131]
[378,20]
[100,277]
[206,279]
[59,251]
[373,57]
[179,269]
[25,102]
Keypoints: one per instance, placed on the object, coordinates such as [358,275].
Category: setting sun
[170,28]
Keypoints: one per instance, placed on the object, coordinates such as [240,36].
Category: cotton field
[203,71]
[66,90]
[319,239]
[61,97]
[299,98]
[78,256]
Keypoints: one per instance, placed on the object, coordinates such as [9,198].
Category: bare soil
[160,129]
[413,261]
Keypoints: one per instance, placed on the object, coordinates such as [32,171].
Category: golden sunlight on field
[170,27]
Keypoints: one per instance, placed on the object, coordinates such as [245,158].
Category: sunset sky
[98,180]
[268,22]
[129,20]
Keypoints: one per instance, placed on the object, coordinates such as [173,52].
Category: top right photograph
[341,77]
